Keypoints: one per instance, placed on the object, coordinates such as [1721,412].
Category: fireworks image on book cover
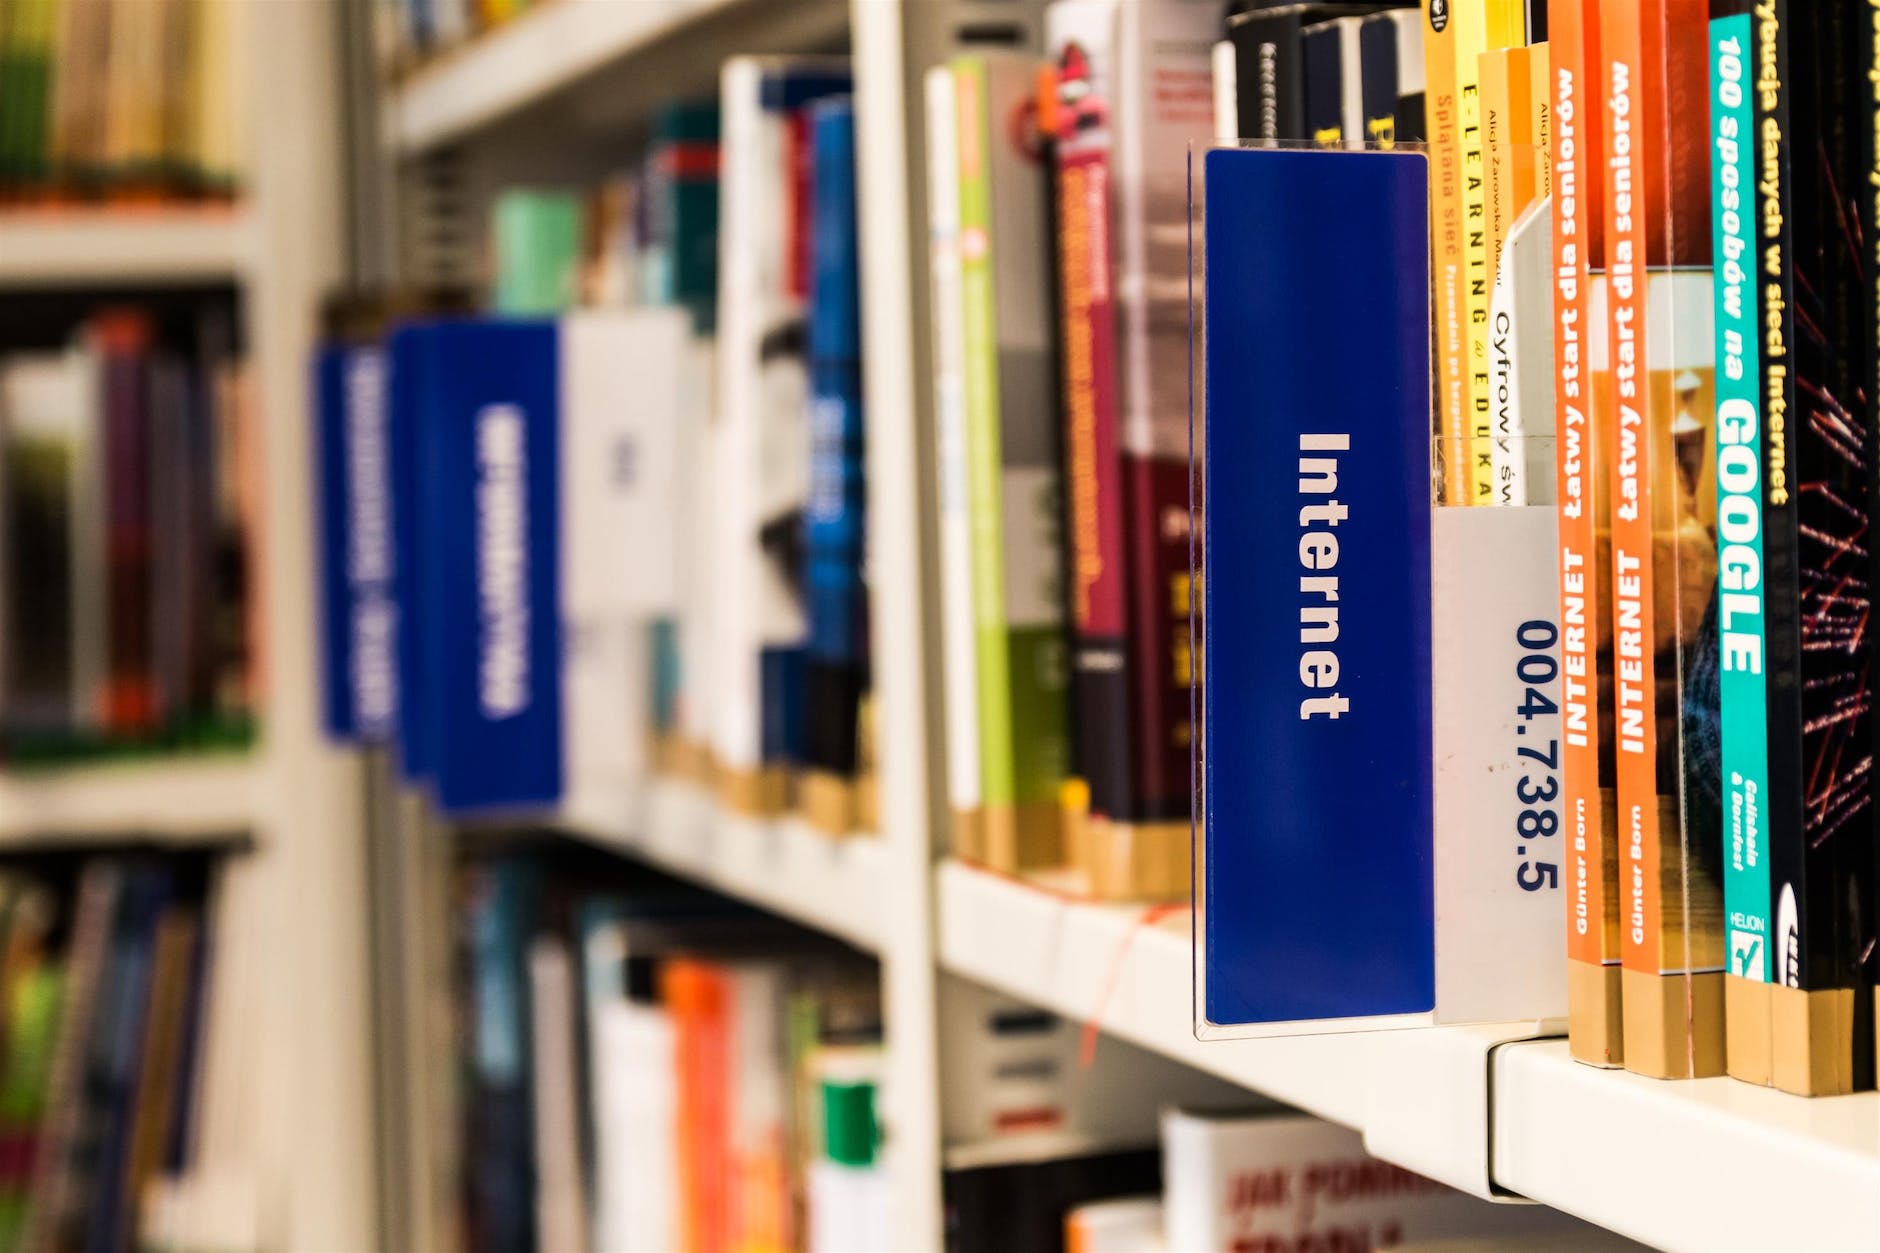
[1828,478]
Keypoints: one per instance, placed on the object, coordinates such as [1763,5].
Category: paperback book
[1583,497]
[1664,551]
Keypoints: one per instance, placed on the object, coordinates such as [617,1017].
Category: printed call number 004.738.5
[1538,820]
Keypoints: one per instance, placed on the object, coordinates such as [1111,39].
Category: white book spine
[1298,1182]
[1521,362]
[698,543]
[619,397]
[1164,93]
[560,1221]
[748,192]
[958,649]
[1351,78]
[1226,91]
[636,1128]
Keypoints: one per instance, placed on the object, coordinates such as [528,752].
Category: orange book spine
[695,994]
[1635,722]
[1575,166]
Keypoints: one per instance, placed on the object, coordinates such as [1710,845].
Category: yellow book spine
[1442,126]
[1540,133]
[1493,74]
[1480,25]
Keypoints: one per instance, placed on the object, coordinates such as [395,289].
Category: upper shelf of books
[454,80]
[118,246]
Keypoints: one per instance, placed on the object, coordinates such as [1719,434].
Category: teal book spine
[1743,697]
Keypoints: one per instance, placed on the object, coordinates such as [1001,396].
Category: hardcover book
[519,666]
[1128,109]
[358,563]
[1270,70]
[761,440]
[1012,462]
[834,519]
[958,638]
[1817,449]
[1248,1181]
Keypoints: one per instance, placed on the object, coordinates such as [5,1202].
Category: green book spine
[537,252]
[1011,426]
[983,486]
[32,1008]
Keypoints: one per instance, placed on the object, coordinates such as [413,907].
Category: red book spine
[1163,657]
[130,691]
[1104,744]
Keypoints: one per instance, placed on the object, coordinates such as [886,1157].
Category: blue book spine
[116,1047]
[834,527]
[329,391]
[357,559]
[413,356]
[503,907]
[668,677]
[1318,882]
[490,449]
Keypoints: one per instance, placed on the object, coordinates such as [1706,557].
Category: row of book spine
[127,615]
[126,100]
[1720,786]
[1057,205]
[746,445]
[104,997]
[650,1068]
[1709,455]
[409,33]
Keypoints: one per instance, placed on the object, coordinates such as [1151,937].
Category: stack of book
[120,100]
[128,464]
[105,967]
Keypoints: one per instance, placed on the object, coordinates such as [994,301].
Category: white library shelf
[827,883]
[166,800]
[556,48]
[115,247]
[1640,1156]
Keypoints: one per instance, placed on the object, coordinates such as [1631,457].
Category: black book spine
[1777,115]
[1816,492]
[1324,85]
[1865,120]
[1377,76]
[1269,66]
[1845,444]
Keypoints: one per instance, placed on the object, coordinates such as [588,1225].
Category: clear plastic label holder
[1378,837]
